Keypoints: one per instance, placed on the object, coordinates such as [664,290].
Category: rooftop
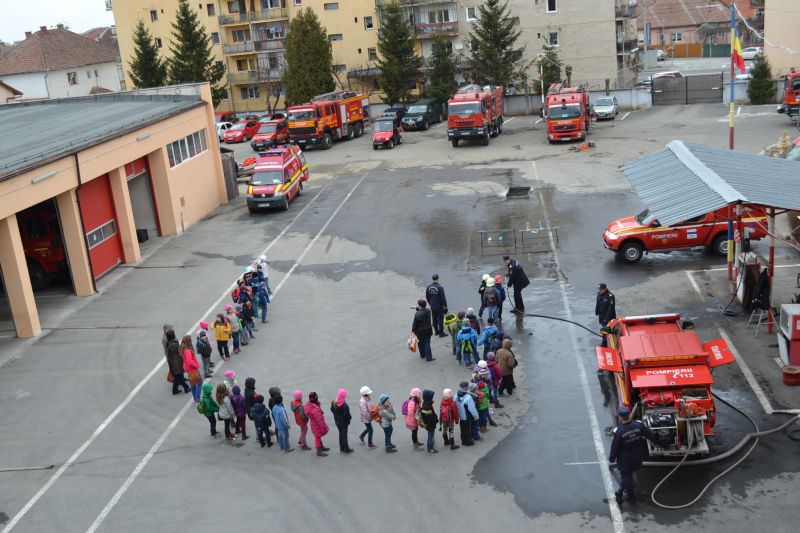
[65,126]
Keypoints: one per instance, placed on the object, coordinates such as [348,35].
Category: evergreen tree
[441,77]
[494,58]
[761,89]
[396,58]
[146,68]
[309,59]
[192,60]
[551,67]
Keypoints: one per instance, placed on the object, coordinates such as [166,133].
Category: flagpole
[731,105]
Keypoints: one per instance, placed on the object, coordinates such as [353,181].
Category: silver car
[606,107]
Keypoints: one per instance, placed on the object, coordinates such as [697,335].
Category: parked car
[222,127]
[270,134]
[606,107]
[422,114]
[385,133]
[751,52]
[251,116]
[398,112]
[269,117]
[225,116]
[746,75]
[241,131]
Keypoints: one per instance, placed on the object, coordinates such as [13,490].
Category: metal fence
[525,240]
[700,89]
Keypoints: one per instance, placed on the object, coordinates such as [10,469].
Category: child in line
[454,327]
[448,418]
[203,346]
[260,415]
[236,327]
[474,323]
[225,413]
[475,427]
[429,419]
[410,408]
[468,344]
[488,335]
[262,295]
[247,318]
[365,410]
[386,412]
[239,409]
[300,418]
[209,408]
[281,423]
[230,380]
[482,395]
[467,414]
[222,332]
[316,418]
[496,378]
[244,338]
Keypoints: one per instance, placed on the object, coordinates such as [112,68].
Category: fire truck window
[35,229]
[694,220]
[796,84]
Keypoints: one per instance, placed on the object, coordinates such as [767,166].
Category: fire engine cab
[791,95]
[328,117]
[567,113]
[663,375]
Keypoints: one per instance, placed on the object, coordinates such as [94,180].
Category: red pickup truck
[631,237]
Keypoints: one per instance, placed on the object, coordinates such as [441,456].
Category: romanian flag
[736,53]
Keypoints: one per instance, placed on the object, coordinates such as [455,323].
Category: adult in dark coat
[175,362]
[628,450]
[437,301]
[422,327]
[605,308]
[518,280]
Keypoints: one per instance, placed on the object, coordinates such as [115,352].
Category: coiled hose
[756,435]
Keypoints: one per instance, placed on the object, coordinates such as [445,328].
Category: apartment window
[274,62]
[472,13]
[219,64]
[250,92]
[211,10]
[298,2]
[240,36]
[330,6]
[214,37]
[72,78]
[677,37]
[186,148]
[159,44]
[244,64]
[101,234]
[223,94]
[372,54]
[368,23]
[153,15]
[553,38]
[438,15]
[335,37]
[339,69]
[551,6]
[233,6]
[271,4]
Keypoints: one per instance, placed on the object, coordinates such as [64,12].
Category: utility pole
[645,28]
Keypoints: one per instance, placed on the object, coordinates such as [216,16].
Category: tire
[285,204]
[300,189]
[252,210]
[631,252]
[359,130]
[40,280]
[425,125]
[719,246]
[327,141]
[485,140]
[455,143]
[500,127]
[374,146]
[390,144]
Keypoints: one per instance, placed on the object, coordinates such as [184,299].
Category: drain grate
[518,192]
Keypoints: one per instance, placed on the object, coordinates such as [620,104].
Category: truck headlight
[611,236]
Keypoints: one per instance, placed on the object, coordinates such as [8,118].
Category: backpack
[203,347]
[491,295]
[235,295]
[404,409]
[374,414]
[467,346]
[419,419]
[201,408]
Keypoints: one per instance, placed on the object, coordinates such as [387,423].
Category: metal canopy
[683,181]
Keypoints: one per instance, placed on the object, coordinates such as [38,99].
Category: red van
[277,179]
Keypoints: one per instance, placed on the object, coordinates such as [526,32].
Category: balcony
[626,45]
[253,16]
[431,30]
[254,76]
[271,44]
[238,48]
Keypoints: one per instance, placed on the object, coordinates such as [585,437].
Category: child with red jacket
[300,418]
[448,418]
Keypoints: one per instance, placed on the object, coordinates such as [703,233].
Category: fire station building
[84,180]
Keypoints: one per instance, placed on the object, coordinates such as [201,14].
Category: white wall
[31,86]
[107,77]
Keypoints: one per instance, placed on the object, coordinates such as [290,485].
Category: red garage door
[100,224]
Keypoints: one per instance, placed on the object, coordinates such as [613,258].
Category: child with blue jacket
[281,423]
[468,345]
[488,335]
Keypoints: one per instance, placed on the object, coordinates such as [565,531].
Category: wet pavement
[374,229]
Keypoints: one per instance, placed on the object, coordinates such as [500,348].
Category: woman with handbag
[192,367]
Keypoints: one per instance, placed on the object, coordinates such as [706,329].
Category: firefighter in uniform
[605,308]
[434,294]
[628,450]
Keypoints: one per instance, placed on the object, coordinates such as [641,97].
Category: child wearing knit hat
[448,418]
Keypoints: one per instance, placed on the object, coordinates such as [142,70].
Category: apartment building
[782,44]
[594,37]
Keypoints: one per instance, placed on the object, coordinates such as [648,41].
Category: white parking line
[693,282]
[626,115]
[440,125]
[509,120]
[538,121]
[748,374]
[738,111]
[597,436]
[132,394]
[146,459]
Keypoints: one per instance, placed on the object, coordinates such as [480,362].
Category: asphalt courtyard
[348,259]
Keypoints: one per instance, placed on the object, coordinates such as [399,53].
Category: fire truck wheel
[631,252]
[374,146]
[39,278]
[455,143]
[327,141]
[359,130]
[719,245]
[390,144]
[300,189]
[285,204]
[485,140]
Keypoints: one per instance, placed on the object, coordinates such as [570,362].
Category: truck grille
[302,131]
[564,127]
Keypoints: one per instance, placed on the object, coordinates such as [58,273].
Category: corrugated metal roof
[683,181]
[35,133]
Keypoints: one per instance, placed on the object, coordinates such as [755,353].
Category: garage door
[100,225]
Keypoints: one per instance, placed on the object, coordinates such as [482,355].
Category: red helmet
[498,279]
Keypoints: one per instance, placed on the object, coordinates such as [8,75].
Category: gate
[700,89]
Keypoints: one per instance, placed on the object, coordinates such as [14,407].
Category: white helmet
[262,258]
[365,391]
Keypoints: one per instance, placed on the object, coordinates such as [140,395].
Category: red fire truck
[791,95]
[41,240]
[475,112]
[567,113]
[328,117]
[663,375]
